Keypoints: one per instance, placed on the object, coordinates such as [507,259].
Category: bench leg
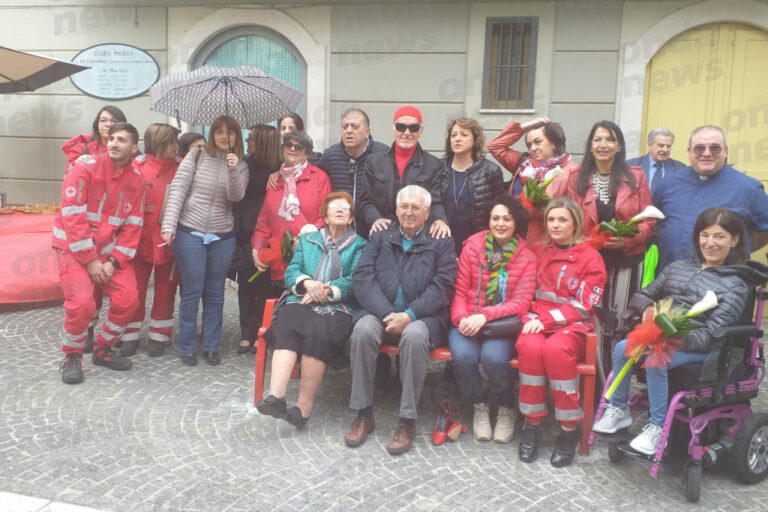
[260,363]
[588,405]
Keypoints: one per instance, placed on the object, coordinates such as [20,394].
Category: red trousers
[80,304]
[161,318]
[550,359]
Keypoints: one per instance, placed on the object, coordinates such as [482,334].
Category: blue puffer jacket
[305,260]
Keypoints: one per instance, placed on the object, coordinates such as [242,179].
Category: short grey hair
[660,131]
[301,138]
[366,121]
[414,190]
[708,127]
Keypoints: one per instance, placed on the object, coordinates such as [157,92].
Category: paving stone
[166,437]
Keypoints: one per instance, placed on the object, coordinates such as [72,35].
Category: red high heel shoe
[445,427]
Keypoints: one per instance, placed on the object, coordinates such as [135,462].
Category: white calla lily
[552,174]
[708,302]
[650,212]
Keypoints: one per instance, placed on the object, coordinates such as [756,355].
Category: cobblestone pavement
[168,437]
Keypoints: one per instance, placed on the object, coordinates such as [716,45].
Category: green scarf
[496,263]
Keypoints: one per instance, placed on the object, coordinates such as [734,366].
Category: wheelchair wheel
[692,482]
[614,454]
[750,449]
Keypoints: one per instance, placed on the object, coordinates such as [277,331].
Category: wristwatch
[113,261]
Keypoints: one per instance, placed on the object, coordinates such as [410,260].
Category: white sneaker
[613,419]
[647,441]
[481,423]
[505,425]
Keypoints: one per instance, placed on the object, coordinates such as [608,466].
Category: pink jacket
[628,204]
[311,187]
[521,282]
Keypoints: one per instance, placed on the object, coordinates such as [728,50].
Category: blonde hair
[575,211]
[157,136]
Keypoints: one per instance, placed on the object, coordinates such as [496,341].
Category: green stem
[618,378]
[254,276]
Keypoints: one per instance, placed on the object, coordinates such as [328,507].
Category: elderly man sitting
[404,282]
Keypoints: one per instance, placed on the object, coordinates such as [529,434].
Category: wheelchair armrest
[737,330]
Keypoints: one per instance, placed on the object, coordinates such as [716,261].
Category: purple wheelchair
[710,420]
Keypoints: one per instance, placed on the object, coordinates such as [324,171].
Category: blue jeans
[468,353]
[656,379]
[203,269]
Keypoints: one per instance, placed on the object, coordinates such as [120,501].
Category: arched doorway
[713,74]
[261,47]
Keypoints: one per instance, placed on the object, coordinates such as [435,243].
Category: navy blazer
[644,161]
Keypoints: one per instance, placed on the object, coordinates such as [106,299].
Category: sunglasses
[295,147]
[413,127]
[715,149]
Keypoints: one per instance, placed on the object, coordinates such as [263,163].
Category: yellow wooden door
[713,74]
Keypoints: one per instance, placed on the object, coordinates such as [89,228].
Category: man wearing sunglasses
[708,182]
[406,163]
[342,160]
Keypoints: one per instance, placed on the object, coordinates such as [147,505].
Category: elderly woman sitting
[317,319]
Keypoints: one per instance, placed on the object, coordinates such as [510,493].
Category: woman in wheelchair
[569,282]
[718,265]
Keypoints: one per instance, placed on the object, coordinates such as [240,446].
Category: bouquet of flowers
[534,194]
[659,334]
[614,227]
[279,253]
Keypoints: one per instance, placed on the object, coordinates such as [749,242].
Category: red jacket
[521,281]
[158,174]
[569,282]
[311,187]
[102,211]
[628,204]
[81,145]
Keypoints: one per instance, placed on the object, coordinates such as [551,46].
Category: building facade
[673,63]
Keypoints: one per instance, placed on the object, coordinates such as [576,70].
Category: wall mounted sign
[118,71]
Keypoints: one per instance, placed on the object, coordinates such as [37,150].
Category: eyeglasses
[104,120]
[295,147]
[715,149]
[339,206]
[413,127]
[409,208]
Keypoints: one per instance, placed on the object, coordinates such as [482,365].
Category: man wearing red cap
[406,163]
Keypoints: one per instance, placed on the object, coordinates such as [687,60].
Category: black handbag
[505,327]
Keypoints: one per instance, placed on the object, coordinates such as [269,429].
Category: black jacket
[341,167]
[685,282]
[486,183]
[246,212]
[380,182]
[426,273]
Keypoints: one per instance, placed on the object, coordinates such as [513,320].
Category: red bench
[587,370]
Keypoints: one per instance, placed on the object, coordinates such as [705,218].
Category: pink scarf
[289,206]
[531,168]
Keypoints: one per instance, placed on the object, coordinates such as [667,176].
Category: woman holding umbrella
[95,143]
[198,223]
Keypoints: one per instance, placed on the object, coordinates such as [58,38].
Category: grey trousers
[413,346]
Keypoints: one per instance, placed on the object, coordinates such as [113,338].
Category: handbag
[507,327]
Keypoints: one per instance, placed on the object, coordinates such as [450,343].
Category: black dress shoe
[529,443]
[189,359]
[244,349]
[271,406]
[211,357]
[565,447]
[294,417]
